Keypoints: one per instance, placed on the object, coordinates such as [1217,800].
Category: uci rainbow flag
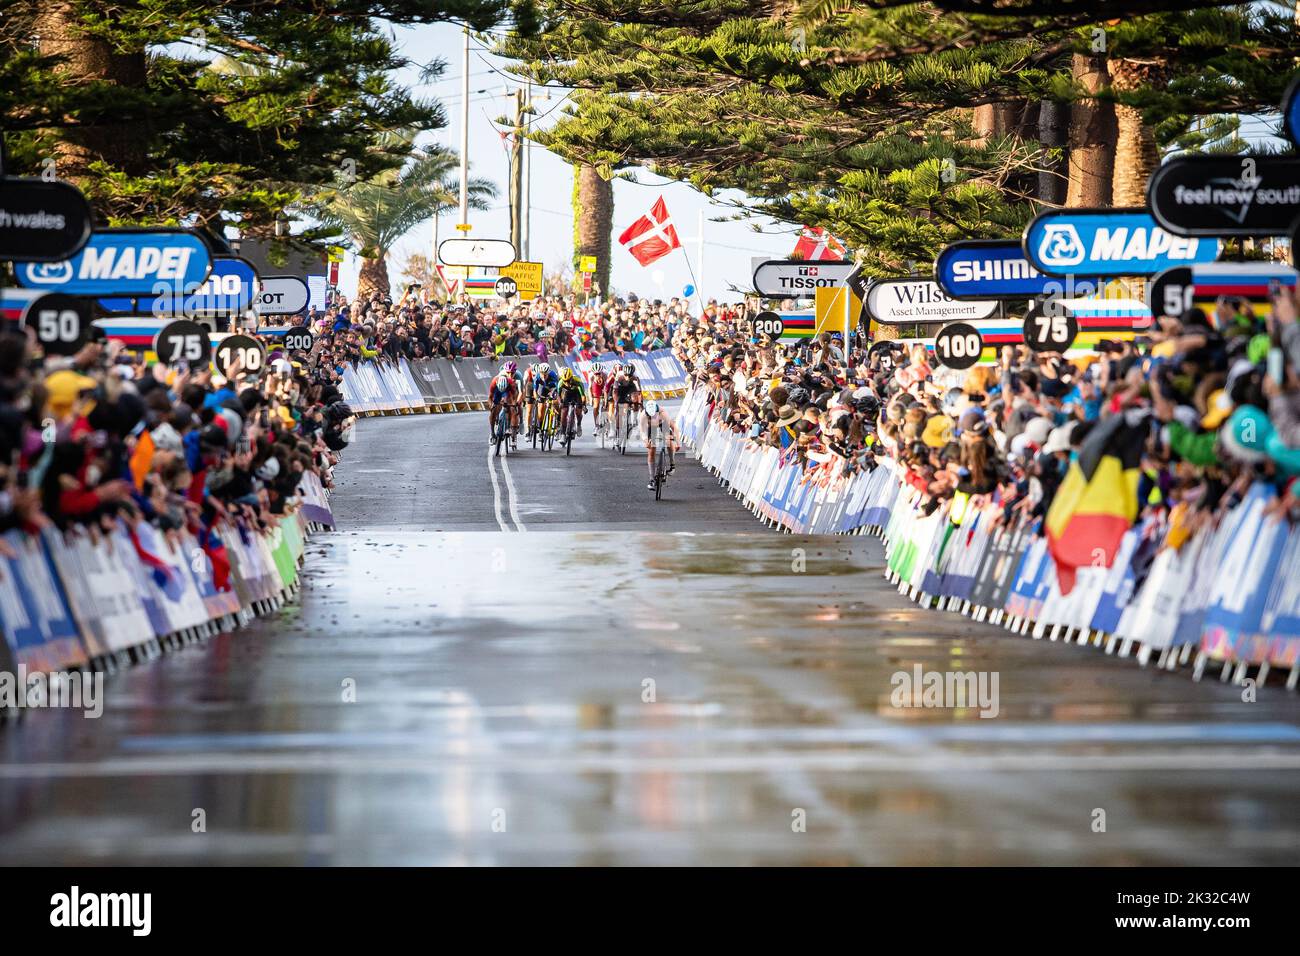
[1097,501]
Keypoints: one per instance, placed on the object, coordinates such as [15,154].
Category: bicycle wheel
[659,474]
[501,431]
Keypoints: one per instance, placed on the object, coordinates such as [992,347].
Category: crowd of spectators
[415,326]
[1214,392]
[104,434]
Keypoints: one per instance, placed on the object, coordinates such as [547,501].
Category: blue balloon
[689,290]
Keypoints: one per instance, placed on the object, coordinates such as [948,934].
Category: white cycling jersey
[660,424]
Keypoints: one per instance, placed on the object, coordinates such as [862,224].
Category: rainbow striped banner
[797,326]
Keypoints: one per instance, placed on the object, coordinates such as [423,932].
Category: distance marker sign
[1174,291]
[506,287]
[769,324]
[958,345]
[61,322]
[299,339]
[183,341]
[239,354]
[1050,330]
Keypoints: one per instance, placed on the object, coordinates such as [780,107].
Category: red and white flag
[817,245]
[651,237]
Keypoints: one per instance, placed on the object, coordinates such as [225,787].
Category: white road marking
[511,496]
[496,490]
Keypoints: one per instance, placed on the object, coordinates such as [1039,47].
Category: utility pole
[464,135]
[528,172]
[516,173]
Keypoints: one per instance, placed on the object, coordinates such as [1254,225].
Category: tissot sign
[998,269]
[282,295]
[1109,242]
[901,301]
[125,262]
[798,278]
[1226,195]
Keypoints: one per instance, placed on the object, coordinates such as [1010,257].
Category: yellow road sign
[587,264]
[528,276]
[836,309]
[335,253]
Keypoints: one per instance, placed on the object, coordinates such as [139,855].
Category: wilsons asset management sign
[902,301]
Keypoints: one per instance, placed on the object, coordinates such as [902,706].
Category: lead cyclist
[655,422]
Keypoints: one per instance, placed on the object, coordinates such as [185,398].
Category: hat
[1037,431]
[938,431]
[1219,406]
[1059,439]
[64,386]
[270,469]
[787,415]
[212,438]
[1245,434]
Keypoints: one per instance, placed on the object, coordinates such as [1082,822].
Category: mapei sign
[798,278]
[1109,242]
[1226,195]
[998,269]
[125,262]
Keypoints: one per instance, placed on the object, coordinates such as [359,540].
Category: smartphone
[1276,365]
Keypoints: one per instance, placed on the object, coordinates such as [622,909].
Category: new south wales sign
[1109,242]
[41,221]
[1226,195]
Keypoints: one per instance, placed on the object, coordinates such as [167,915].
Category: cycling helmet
[651,408]
[543,367]
[510,367]
[567,376]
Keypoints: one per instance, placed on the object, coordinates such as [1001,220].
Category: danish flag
[651,237]
[816,244]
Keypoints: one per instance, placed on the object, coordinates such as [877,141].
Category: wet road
[624,683]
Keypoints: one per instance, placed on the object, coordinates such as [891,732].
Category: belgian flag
[1098,498]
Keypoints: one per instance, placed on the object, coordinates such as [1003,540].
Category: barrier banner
[314,502]
[117,606]
[1253,550]
[39,629]
[1281,617]
[458,384]
[477,374]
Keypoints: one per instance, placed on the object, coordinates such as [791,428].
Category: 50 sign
[59,321]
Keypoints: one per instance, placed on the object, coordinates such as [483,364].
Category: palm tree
[593,220]
[375,214]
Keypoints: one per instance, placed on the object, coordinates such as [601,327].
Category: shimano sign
[1109,242]
[227,290]
[798,278]
[125,262]
[998,269]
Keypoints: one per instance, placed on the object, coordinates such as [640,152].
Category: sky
[728,247]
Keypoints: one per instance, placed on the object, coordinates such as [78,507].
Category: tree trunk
[1052,118]
[995,120]
[1092,136]
[91,60]
[593,221]
[373,278]
[1136,152]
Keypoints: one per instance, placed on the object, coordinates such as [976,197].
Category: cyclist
[598,384]
[503,392]
[627,393]
[573,401]
[545,384]
[528,391]
[656,422]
